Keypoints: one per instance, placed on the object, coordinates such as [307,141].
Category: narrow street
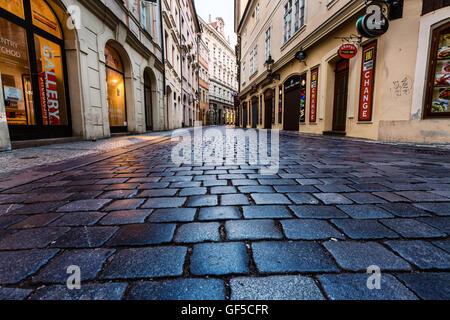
[140,227]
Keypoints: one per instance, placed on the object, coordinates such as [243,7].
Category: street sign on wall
[367,81]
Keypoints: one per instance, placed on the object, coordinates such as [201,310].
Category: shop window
[432,5]
[13,6]
[32,71]
[51,82]
[15,74]
[115,89]
[438,86]
[44,18]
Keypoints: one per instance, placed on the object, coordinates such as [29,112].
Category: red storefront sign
[313,102]
[367,81]
[348,51]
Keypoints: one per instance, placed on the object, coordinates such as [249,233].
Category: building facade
[222,72]
[90,74]
[173,110]
[190,34]
[396,88]
[203,81]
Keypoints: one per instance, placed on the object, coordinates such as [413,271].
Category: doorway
[292,103]
[148,101]
[268,108]
[254,112]
[244,116]
[340,96]
[115,80]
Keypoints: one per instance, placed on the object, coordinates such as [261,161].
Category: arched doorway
[269,108]
[292,103]
[149,98]
[115,80]
[33,71]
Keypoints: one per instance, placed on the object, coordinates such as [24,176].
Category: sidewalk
[20,160]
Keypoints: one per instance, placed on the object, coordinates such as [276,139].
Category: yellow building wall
[396,61]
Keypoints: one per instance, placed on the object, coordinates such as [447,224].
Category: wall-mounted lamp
[301,56]
[269,66]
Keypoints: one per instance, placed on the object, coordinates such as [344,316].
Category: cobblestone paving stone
[141,227]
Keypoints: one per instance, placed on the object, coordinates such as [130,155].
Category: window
[34,91]
[432,5]
[14,7]
[44,18]
[299,14]
[438,88]
[115,88]
[287,20]
[267,44]
[292,25]
[146,16]
[254,61]
[257,12]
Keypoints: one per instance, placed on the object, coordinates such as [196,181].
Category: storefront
[33,70]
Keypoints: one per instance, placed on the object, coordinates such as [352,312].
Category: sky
[218,8]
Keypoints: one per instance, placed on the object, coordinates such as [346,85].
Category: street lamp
[269,67]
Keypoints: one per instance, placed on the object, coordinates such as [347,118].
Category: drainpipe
[163,48]
[163,51]
[181,67]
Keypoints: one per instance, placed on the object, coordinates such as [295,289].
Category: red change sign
[313,102]
[367,82]
[347,51]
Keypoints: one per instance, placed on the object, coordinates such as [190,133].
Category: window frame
[39,130]
[432,65]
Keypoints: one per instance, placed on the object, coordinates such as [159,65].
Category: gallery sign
[313,101]
[367,81]
[347,51]
[48,90]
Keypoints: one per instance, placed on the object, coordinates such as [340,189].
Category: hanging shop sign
[367,81]
[347,51]
[313,102]
[374,23]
